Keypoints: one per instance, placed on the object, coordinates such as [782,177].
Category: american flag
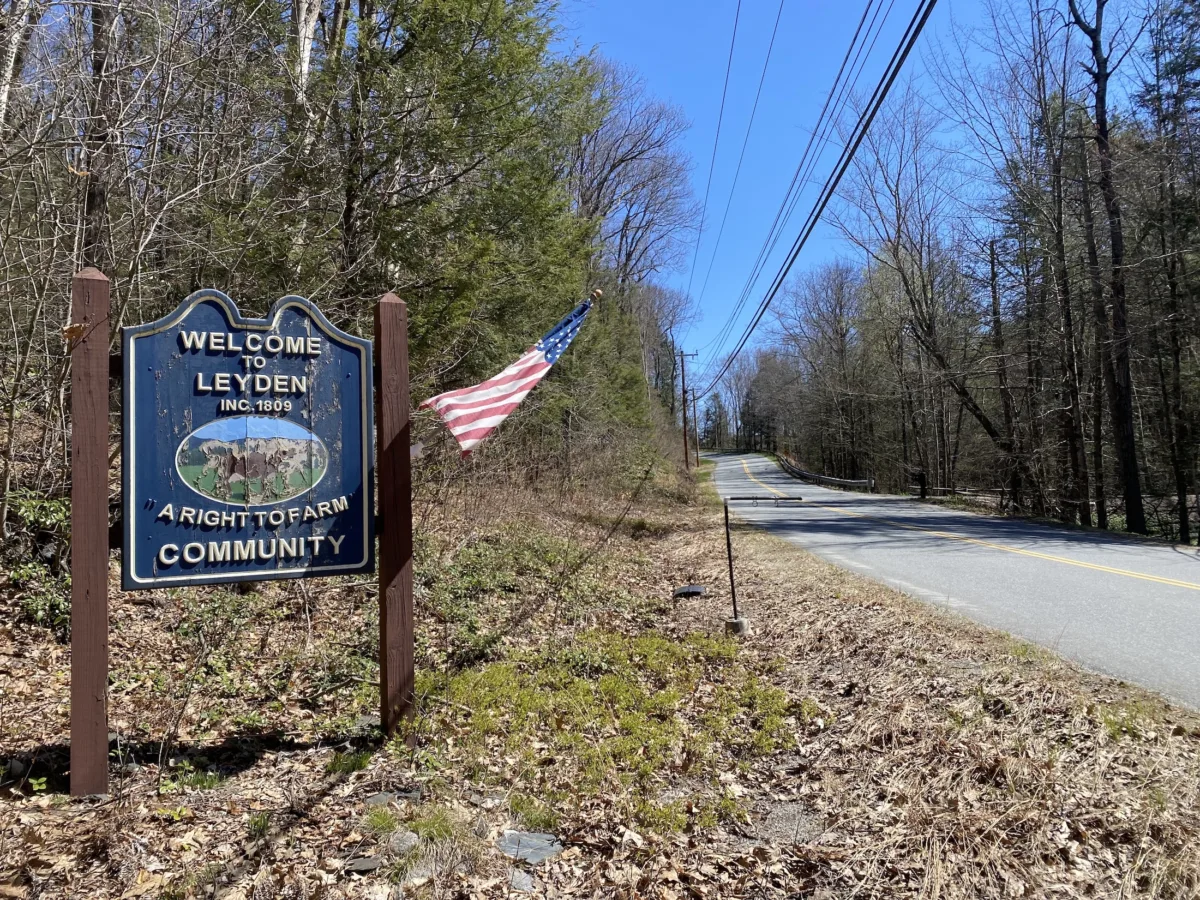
[472,413]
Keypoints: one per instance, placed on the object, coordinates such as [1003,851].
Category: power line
[912,33]
[878,96]
[780,218]
[742,155]
[802,178]
[844,93]
[716,141]
[819,137]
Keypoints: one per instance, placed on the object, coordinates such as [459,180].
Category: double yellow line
[950,536]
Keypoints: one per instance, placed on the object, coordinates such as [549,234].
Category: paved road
[1124,607]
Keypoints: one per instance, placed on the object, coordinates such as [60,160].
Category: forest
[459,154]
[1015,308]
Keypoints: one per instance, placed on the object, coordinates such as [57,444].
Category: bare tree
[629,177]
[1101,71]
[996,332]
[897,205]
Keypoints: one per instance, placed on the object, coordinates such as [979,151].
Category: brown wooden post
[393,471]
[88,334]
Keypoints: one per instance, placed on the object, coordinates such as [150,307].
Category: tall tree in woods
[819,323]
[1167,97]
[441,149]
[95,158]
[629,177]
[1101,71]
[894,209]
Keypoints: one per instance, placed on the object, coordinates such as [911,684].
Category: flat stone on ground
[383,798]
[521,882]
[485,801]
[531,846]
[403,842]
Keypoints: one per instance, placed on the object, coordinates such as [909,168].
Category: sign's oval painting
[251,460]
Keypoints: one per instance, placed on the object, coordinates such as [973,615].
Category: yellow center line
[950,536]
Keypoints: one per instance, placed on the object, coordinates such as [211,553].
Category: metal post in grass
[737,625]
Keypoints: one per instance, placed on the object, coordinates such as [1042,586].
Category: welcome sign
[248,446]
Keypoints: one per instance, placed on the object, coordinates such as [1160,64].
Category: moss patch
[608,714]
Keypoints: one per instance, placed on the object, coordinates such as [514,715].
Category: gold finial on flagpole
[596,295]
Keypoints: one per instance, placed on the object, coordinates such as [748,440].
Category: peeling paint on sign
[248,446]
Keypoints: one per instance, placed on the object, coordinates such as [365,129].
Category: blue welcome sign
[248,446]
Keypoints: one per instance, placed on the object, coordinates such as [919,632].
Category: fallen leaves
[923,755]
[144,883]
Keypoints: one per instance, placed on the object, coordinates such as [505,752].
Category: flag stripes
[472,413]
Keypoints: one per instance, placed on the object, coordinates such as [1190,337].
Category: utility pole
[696,425]
[683,402]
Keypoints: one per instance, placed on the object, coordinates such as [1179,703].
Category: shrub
[43,598]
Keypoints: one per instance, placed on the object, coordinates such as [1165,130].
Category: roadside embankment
[855,744]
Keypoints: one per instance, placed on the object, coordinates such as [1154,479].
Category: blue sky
[251,426]
[681,49]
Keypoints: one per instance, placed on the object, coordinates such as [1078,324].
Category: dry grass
[918,755]
[955,761]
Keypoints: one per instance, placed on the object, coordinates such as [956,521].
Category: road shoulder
[953,758]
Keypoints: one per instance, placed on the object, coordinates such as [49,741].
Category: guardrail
[995,494]
[852,484]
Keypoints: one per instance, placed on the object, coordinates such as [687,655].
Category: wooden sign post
[88,336]
[319,378]
[393,468]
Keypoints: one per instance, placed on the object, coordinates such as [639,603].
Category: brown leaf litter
[927,756]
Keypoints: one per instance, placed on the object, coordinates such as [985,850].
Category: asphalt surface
[1124,607]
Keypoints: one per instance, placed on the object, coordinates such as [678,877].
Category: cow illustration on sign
[252,459]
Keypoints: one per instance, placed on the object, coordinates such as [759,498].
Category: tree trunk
[1077,498]
[1168,234]
[1098,435]
[12,36]
[1106,375]
[1006,399]
[1123,424]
